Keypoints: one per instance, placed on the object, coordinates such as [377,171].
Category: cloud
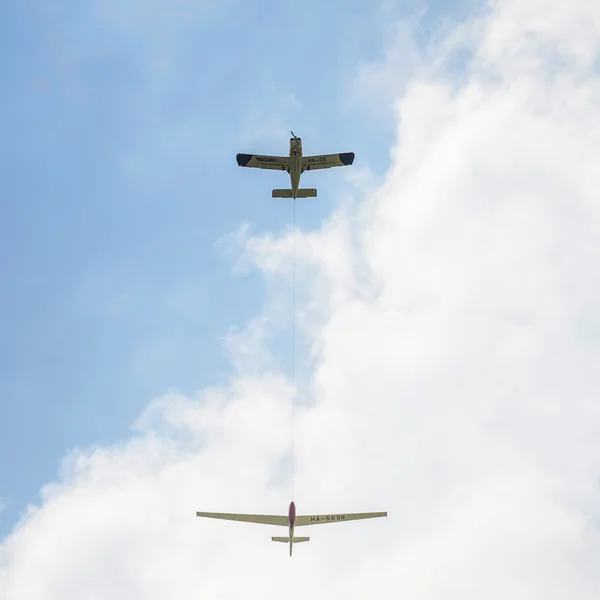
[451,316]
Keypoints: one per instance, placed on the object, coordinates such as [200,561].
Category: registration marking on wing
[317,519]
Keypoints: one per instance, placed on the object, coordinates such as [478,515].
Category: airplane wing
[318,519]
[326,161]
[264,519]
[259,161]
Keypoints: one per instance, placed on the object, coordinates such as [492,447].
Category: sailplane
[291,521]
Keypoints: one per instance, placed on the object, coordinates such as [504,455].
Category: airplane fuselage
[295,165]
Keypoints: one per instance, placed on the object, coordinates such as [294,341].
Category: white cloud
[453,321]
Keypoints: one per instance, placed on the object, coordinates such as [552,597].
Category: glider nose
[292,512]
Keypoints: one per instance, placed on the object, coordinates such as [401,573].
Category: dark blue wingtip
[243,159]
[347,158]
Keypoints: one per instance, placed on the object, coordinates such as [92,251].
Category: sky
[121,188]
[447,341]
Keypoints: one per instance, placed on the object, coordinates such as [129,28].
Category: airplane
[295,164]
[291,521]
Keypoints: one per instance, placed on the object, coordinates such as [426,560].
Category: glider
[291,521]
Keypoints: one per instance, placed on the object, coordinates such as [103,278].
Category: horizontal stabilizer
[307,193]
[302,193]
[285,540]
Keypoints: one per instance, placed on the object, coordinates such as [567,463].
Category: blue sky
[120,123]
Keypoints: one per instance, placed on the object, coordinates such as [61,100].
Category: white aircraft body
[291,521]
[295,164]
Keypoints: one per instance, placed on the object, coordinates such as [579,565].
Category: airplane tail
[285,540]
[302,193]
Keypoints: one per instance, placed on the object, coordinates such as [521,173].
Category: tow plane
[291,521]
[295,164]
